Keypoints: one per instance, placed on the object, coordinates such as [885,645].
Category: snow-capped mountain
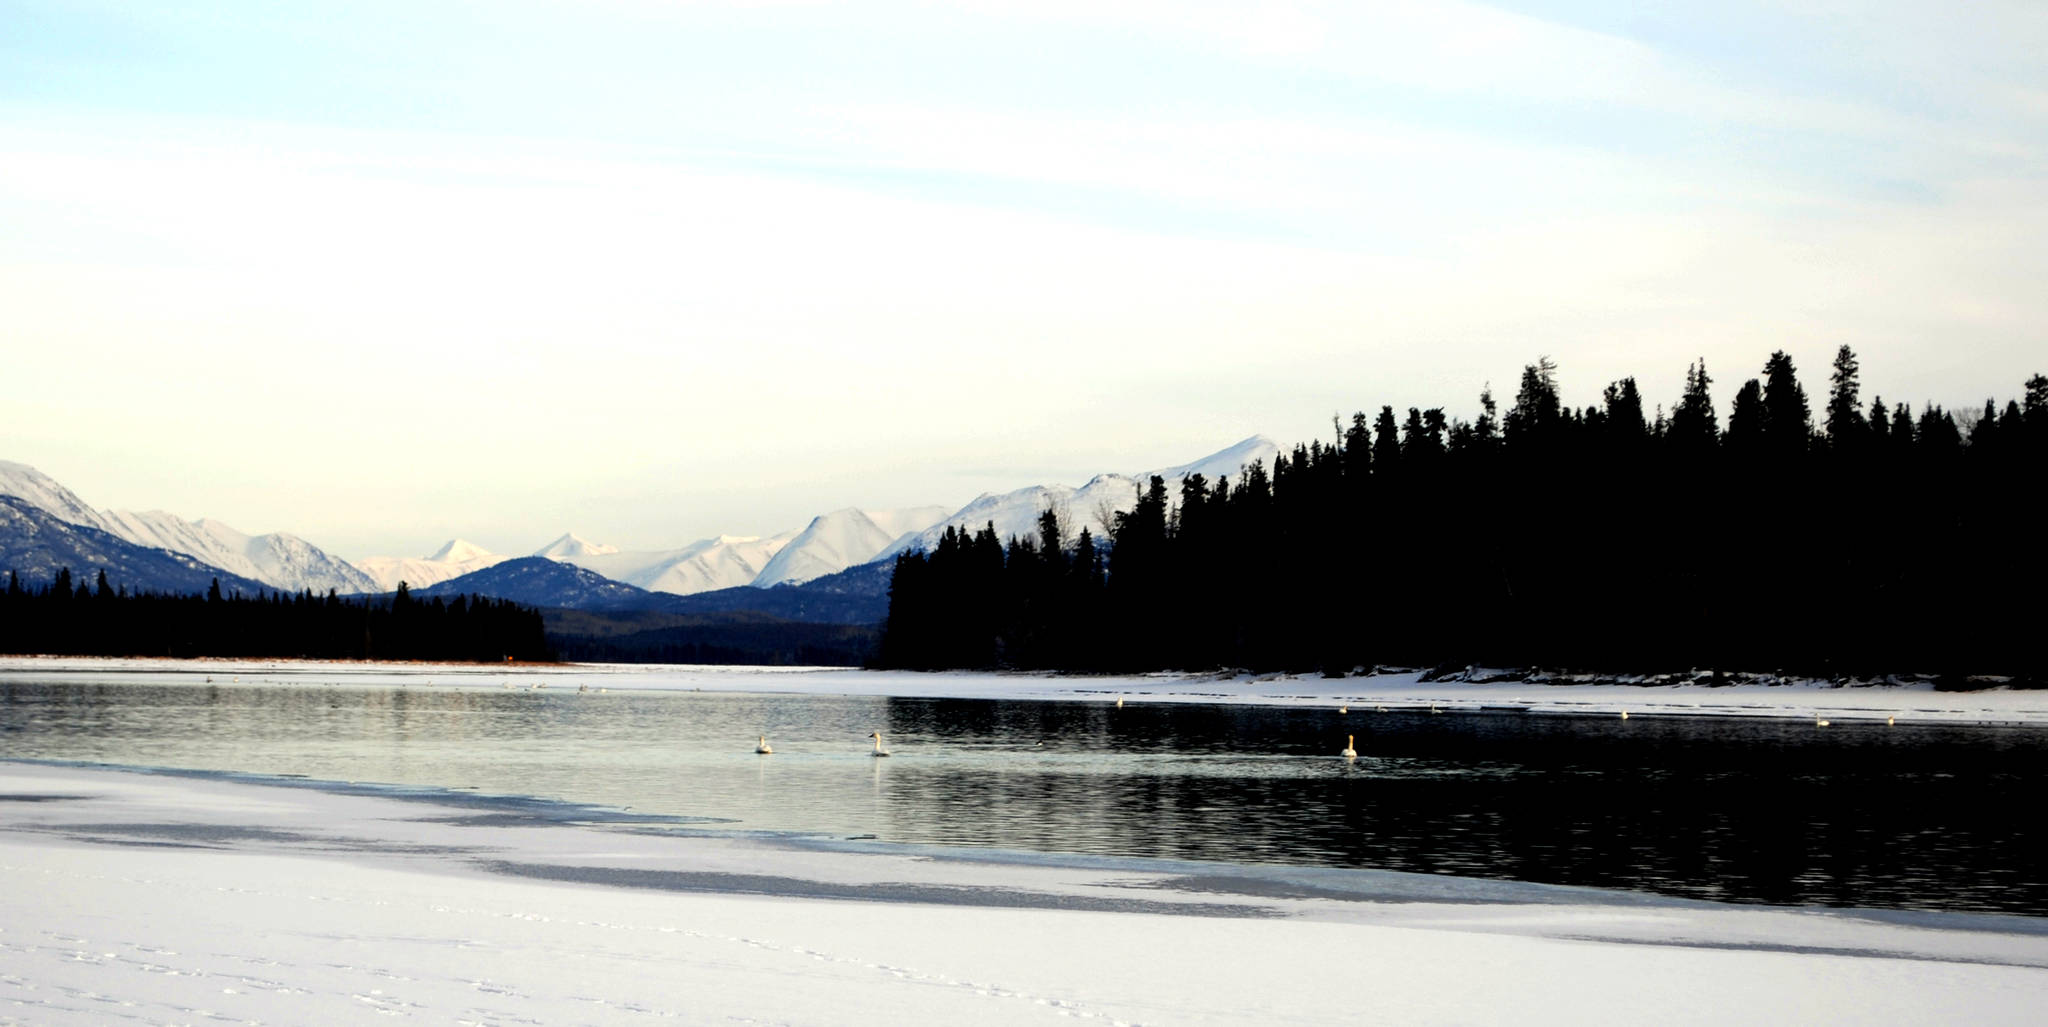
[1092,506]
[34,543]
[726,561]
[571,544]
[832,543]
[277,560]
[44,493]
[843,538]
[1223,464]
[851,537]
[454,559]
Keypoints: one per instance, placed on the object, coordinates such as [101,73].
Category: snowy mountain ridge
[44,493]
[831,543]
[455,558]
[845,538]
[1092,506]
[572,544]
[278,560]
[35,544]
[723,561]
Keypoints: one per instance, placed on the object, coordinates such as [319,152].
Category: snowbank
[178,899]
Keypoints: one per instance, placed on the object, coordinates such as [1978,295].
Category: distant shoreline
[1907,703]
[1533,677]
[246,660]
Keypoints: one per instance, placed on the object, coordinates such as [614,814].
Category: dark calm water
[1924,817]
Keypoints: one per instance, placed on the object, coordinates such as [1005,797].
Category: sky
[381,274]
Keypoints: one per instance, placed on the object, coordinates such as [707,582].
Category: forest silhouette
[1610,538]
[68,617]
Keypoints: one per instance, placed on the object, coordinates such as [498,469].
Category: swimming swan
[879,751]
[763,747]
[1349,753]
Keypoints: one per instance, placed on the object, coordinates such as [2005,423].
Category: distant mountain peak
[844,538]
[1224,463]
[457,557]
[572,544]
[459,550]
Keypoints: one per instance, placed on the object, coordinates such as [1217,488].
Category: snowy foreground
[190,898]
[178,899]
[1905,703]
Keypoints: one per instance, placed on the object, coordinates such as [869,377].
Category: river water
[1774,811]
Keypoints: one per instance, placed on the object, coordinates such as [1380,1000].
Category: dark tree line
[70,617]
[1611,538]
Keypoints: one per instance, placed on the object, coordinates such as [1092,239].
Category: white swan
[1888,721]
[1346,708]
[1119,702]
[1349,752]
[763,747]
[1624,714]
[879,751]
[1820,722]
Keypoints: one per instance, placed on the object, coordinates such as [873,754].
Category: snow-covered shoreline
[1915,702]
[181,898]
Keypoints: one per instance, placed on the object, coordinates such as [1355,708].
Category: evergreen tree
[1486,430]
[1386,442]
[1537,409]
[1788,423]
[1694,426]
[1746,419]
[1845,424]
[1624,412]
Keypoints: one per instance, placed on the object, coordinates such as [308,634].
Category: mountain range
[275,561]
[455,558]
[35,544]
[834,567]
[1093,506]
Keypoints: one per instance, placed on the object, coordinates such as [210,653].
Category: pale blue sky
[382,273]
